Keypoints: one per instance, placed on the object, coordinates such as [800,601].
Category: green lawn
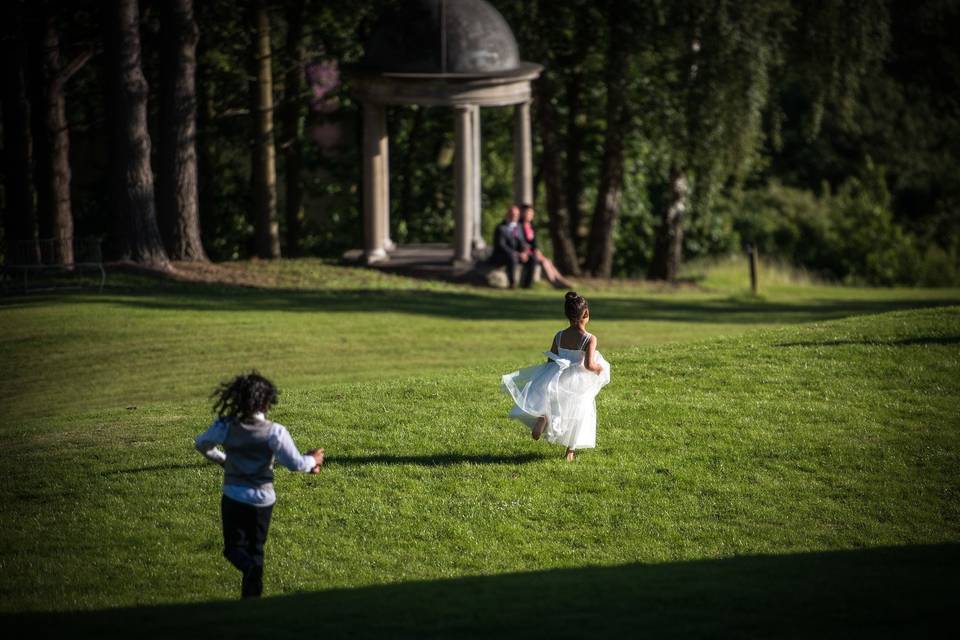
[777,465]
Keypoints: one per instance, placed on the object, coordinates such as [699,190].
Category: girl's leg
[550,270]
[538,428]
[553,274]
[571,454]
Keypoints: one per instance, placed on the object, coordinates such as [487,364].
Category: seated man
[509,248]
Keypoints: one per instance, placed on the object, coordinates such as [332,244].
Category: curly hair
[574,306]
[244,396]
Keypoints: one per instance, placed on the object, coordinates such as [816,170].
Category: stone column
[478,242]
[375,181]
[384,191]
[464,170]
[522,155]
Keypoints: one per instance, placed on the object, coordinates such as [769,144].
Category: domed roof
[447,37]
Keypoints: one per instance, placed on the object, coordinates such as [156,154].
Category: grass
[789,459]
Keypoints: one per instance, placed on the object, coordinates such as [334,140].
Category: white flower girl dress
[564,391]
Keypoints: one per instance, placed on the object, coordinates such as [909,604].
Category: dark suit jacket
[505,243]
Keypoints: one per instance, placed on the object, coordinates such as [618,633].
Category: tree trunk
[206,137]
[264,167]
[293,127]
[19,219]
[575,132]
[37,94]
[574,168]
[610,187]
[57,215]
[564,250]
[668,244]
[135,218]
[177,197]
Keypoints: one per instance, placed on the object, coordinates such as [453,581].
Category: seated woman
[530,237]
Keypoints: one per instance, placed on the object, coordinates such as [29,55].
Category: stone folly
[456,53]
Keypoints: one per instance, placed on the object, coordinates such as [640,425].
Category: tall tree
[136,232]
[576,64]
[41,152]
[712,87]
[539,39]
[293,114]
[53,158]
[672,203]
[610,187]
[551,168]
[717,58]
[177,197]
[264,165]
[19,219]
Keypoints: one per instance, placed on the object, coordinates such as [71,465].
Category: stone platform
[434,261]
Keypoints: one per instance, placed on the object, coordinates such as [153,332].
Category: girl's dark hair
[244,396]
[574,306]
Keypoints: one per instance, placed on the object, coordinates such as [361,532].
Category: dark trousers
[526,278]
[510,261]
[245,530]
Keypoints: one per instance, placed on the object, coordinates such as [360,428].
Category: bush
[849,236]
[788,223]
[870,247]
[937,268]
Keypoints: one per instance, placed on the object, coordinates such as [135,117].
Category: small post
[752,254]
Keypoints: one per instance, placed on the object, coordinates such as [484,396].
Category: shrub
[871,248]
[848,236]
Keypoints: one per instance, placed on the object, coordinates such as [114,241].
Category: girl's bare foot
[538,428]
[570,455]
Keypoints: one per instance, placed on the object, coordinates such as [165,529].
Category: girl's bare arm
[588,359]
[554,347]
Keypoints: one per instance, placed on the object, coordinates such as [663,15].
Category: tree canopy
[664,130]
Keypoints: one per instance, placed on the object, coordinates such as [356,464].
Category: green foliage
[635,232]
[769,95]
[785,222]
[849,236]
[903,113]
[869,245]
[937,268]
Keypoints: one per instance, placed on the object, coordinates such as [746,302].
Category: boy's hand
[318,457]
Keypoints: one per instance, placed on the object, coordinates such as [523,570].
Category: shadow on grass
[483,306]
[899,591]
[438,460]
[902,342]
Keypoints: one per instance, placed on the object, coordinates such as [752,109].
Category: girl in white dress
[556,399]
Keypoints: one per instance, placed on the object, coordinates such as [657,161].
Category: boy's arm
[288,455]
[206,443]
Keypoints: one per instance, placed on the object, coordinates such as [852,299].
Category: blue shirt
[279,442]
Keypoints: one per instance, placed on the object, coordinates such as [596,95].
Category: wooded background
[824,133]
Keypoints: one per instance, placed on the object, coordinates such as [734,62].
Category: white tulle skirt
[563,391]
